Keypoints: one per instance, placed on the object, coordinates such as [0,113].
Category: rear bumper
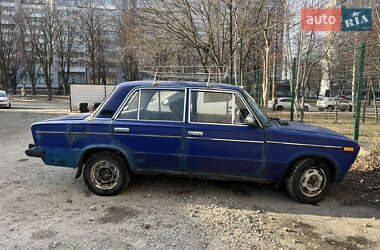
[34,152]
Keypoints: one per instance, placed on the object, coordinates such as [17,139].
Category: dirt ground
[43,207]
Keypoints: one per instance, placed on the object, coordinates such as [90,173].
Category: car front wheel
[105,173]
[279,108]
[309,180]
[330,108]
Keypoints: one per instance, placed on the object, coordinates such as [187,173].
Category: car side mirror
[250,120]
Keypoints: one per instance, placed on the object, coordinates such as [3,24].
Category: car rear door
[218,142]
[286,103]
[150,129]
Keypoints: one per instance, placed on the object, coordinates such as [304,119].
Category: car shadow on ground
[248,196]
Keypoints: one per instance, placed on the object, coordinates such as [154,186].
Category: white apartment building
[80,71]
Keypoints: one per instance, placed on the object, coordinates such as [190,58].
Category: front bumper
[34,152]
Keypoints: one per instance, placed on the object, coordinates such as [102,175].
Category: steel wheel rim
[312,182]
[105,175]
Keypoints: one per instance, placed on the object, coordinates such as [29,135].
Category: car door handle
[195,133]
[121,130]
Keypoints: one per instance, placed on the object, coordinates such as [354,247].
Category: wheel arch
[87,152]
[330,162]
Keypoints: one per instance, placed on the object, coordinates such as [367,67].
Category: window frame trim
[132,91]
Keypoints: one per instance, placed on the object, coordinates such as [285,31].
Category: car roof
[178,84]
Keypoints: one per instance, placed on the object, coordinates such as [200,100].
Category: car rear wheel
[309,180]
[279,108]
[330,108]
[105,173]
[306,109]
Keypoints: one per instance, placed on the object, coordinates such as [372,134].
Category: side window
[211,107]
[130,109]
[217,107]
[161,105]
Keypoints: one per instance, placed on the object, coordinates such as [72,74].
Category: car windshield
[253,105]
[2,94]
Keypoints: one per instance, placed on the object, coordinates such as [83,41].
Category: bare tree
[43,35]
[28,47]
[268,35]
[128,39]
[10,54]
[92,32]
[178,19]
[65,48]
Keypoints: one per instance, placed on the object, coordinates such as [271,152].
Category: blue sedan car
[195,130]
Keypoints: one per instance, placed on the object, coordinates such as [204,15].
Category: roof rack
[185,73]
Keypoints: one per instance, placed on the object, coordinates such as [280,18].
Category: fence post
[292,88]
[358,95]
[241,63]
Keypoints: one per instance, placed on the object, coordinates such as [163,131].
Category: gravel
[43,207]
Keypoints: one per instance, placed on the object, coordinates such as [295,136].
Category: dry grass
[369,132]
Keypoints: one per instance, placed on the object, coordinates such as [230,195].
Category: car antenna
[208,85]
[155,82]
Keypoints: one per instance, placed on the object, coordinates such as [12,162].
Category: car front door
[218,142]
[150,129]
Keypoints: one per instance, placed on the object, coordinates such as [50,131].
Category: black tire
[306,109]
[298,185]
[320,109]
[343,110]
[279,108]
[330,108]
[350,109]
[105,173]
[9,106]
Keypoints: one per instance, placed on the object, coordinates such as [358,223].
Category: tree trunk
[33,83]
[265,83]
[48,81]
[14,88]
[374,101]
[66,78]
